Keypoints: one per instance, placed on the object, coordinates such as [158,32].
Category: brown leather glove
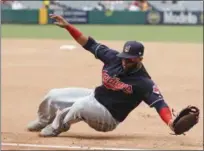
[185,120]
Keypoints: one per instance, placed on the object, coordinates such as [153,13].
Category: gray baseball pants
[76,104]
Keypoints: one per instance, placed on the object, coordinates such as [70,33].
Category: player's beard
[133,67]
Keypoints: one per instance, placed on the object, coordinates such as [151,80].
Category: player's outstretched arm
[100,51]
[164,112]
[74,32]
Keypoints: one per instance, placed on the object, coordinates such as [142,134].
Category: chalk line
[64,147]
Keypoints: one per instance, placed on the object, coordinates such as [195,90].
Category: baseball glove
[185,120]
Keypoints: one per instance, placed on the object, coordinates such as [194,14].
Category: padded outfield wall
[40,16]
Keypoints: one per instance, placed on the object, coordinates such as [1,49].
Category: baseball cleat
[36,126]
[56,127]
[49,131]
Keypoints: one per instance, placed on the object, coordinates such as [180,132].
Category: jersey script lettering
[115,83]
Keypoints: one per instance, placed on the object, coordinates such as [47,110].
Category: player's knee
[52,94]
[80,105]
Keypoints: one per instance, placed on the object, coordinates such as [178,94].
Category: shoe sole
[37,129]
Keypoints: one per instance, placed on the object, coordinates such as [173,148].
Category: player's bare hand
[60,21]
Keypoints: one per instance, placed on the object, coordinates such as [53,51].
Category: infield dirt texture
[32,64]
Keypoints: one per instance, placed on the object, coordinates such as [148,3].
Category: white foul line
[64,147]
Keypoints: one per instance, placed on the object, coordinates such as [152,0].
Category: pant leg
[59,99]
[89,110]
[98,117]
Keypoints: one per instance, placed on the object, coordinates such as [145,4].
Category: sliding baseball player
[125,84]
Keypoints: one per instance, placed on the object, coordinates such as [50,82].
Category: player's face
[129,63]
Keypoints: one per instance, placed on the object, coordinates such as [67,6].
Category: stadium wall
[40,16]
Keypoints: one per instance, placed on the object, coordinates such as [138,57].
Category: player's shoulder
[115,53]
[143,82]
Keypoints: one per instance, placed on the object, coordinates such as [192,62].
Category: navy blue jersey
[121,91]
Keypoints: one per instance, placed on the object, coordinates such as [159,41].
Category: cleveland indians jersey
[121,91]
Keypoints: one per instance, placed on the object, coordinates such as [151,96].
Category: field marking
[67,47]
[64,147]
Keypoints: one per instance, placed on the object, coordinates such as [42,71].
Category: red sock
[165,114]
[74,32]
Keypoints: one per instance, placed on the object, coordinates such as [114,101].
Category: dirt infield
[30,68]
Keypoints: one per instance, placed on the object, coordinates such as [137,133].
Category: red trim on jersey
[74,32]
[165,114]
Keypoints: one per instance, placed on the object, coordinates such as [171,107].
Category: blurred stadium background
[156,12]
[94,13]
[136,5]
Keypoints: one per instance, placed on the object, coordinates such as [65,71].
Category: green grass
[109,32]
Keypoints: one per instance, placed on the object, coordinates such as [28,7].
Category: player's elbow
[82,40]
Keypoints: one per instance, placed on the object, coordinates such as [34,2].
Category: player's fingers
[52,16]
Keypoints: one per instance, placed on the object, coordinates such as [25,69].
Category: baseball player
[125,84]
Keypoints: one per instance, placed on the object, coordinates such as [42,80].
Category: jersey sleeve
[154,97]
[100,51]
